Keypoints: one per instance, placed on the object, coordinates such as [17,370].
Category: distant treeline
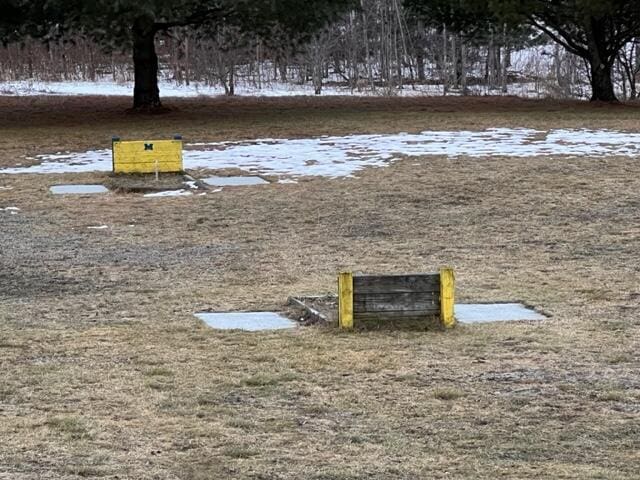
[379,46]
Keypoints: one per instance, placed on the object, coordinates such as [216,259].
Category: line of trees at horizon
[367,43]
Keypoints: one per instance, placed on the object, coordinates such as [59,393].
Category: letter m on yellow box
[147,156]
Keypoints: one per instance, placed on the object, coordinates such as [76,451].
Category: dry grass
[106,374]
[48,124]
[142,183]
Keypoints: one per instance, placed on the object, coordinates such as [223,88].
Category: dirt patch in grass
[143,183]
[314,310]
[107,373]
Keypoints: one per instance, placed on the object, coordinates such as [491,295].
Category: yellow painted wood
[147,156]
[345,300]
[447,286]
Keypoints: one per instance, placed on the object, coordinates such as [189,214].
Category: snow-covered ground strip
[170,89]
[343,156]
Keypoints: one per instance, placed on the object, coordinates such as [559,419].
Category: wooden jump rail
[384,297]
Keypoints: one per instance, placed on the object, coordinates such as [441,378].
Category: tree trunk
[420,66]
[454,61]
[232,79]
[601,83]
[445,73]
[419,50]
[146,94]
[463,67]
[316,69]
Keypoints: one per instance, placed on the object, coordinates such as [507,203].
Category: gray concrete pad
[251,321]
[494,312]
[234,181]
[78,189]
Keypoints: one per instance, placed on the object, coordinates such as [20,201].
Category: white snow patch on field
[11,210]
[344,156]
[30,88]
[169,193]
[195,89]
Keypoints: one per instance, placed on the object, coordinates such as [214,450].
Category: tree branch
[560,38]
[196,18]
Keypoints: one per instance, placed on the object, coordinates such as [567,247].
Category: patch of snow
[343,156]
[287,180]
[6,188]
[528,62]
[98,227]
[170,193]
[10,210]
[27,88]
[234,181]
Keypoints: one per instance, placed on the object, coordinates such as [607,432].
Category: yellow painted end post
[345,300]
[114,140]
[447,285]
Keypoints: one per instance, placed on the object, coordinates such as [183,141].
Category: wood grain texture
[391,316]
[428,282]
[389,302]
[396,297]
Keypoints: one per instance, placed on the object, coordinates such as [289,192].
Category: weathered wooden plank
[386,302]
[396,297]
[345,300]
[406,315]
[429,282]
[447,282]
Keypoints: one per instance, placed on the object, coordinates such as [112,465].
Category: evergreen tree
[594,30]
[133,24]
[470,17]
[12,19]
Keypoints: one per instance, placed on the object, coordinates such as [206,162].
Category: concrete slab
[494,312]
[78,189]
[234,181]
[250,321]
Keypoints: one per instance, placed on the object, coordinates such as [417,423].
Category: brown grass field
[105,373]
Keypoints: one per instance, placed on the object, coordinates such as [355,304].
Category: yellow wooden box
[147,156]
